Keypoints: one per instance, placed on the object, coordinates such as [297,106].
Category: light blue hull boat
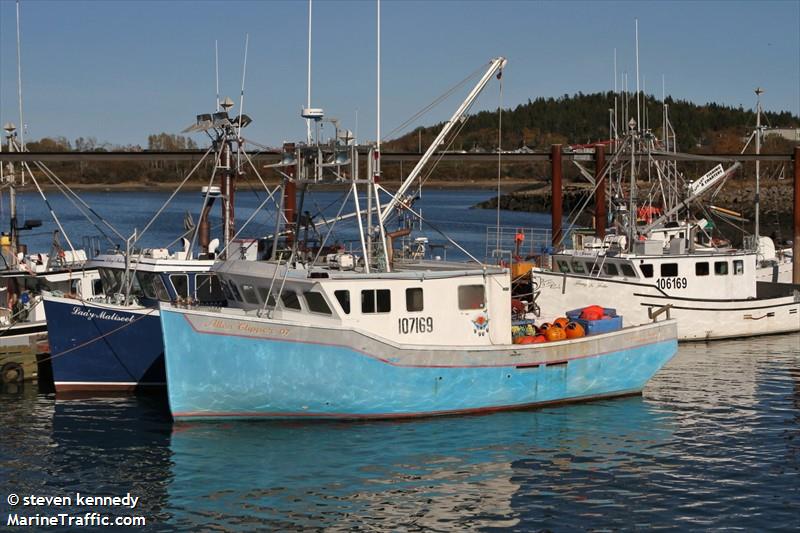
[224,367]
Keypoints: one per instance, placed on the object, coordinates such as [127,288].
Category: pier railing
[512,243]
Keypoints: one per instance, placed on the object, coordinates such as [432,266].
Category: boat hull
[222,367]
[699,319]
[100,347]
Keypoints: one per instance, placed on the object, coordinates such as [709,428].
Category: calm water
[713,443]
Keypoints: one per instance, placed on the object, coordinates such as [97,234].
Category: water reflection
[441,474]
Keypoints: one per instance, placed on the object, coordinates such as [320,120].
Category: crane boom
[495,65]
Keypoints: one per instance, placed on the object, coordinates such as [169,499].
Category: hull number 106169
[672,283]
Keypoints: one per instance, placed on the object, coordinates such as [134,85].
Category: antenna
[378,98]
[244,74]
[638,108]
[19,87]
[308,100]
[216,69]
[615,94]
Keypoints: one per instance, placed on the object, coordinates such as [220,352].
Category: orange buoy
[555,334]
[539,338]
[561,322]
[574,330]
[544,327]
[527,339]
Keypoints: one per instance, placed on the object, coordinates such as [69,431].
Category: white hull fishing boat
[373,336]
[644,263]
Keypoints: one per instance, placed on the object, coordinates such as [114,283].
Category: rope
[95,339]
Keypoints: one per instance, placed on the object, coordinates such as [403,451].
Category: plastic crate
[593,327]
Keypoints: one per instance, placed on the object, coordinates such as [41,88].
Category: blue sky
[120,70]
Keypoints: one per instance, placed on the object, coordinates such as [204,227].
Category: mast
[9,127]
[308,99]
[19,86]
[638,108]
[759,91]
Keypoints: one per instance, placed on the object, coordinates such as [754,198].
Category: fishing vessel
[26,278]
[112,342]
[372,335]
[667,257]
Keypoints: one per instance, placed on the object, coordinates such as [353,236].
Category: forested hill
[584,118]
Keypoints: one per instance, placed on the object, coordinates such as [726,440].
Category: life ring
[12,373]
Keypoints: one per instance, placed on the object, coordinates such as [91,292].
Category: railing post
[600,191]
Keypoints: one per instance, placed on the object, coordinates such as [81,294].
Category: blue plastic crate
[593,327]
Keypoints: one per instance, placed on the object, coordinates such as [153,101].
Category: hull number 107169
[417,324]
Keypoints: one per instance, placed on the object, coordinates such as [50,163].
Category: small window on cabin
[563,266]
[669,270]
[290,300]
[376,301]
[235,291]
[647,270]
[208,289]
[701,269]
[471,297]
[738,267]
[265,295]
[627,270]
[592,268]
[316,303]
[577,267]
[152,286]
[180,282]
[343,297]
[414,299]
[610,269]
[721,268]
[249,293]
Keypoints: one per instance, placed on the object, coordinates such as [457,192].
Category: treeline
[584,118]
[115,172]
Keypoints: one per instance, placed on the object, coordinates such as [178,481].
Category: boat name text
[244,327]
[102,315]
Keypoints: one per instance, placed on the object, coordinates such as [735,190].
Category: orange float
[574,330]
[592,312]
[555,334]
[539,338]
[561,322]
[544,327]
[527,339]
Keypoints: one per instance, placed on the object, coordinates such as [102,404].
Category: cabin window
[414,299]
[669,270]
[316,303]
[343,297]
[701,269]
[563,266]
[208,289]
[647,270]
[738,267]
[592,268]
[577,267]
[226,290]
[471,297]
[627,270]
[265,295]
[180,282]
[290,300]
[111,283]
[152,286]
[235,291]
[97,287]
[610,269]
[249,293]
[376,301]
[721,268]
